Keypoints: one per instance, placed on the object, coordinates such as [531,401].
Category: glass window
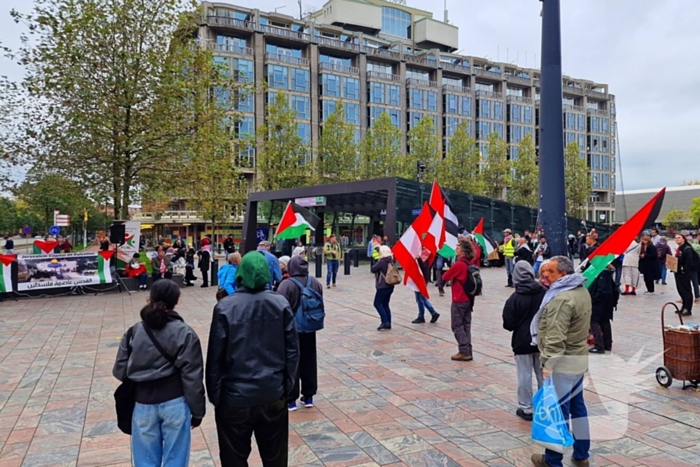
[605,126]
[328,109]
[414,118]
[304,131]
[451,124]
[374,113]
[527,114]
[595,124]
[581,140]
[277,76]
[498,110]
[581,123]
[514,111]
[245,127]
[451,103]
[415,98]
[604,144]
[514,153]
[484,149]
[467,106]
[596,180]
[498,128]
[484,108]
[396,22]
[595,162]
[395,116]
[570,121]
[223,97]
[377,93]
[482,130]
[394,95]
[352,113]
[351,88]
[300,104]
[606,163]
[223,62]
[570,137]
[331,85]
[300,80]
[515,134]
[244,70]
[606,181]
[432,101]
[245,101]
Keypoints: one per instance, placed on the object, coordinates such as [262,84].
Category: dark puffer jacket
[299,269]
[604,296]
[521,307]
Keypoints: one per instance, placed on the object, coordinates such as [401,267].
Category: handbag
[549,429]
[393,276]
[125,394]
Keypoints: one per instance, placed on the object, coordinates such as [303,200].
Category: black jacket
[425,269]
[604,296]
[298,269]
[649,264]
[229,246]
[379,269]
[686,263]
[523,253]
[204,260]
[518,312]
[253,349]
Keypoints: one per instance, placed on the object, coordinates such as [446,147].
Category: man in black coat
[604,297]
[523,252]
[518,312]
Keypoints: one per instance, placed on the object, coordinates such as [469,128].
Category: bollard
[214,279]
[356,258]
[319,264]
[346,264]
[371,261]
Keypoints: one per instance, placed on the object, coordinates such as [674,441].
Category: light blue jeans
[423,303]
[537,266]
[160,434]
[569,388]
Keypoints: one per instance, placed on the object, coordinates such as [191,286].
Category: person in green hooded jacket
[251,367]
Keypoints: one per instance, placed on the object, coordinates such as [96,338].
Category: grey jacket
[147,364]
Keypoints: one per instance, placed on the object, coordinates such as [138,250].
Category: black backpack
[310,314]
[473,285]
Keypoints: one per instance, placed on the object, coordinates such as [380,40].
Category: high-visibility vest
[509,248]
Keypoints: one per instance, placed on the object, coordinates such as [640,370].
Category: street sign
[27,230]
[54,230]
[311,202]
[63,220]
[415,212]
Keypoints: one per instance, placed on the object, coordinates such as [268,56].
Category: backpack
[473,285]
[393,276]
[310,313]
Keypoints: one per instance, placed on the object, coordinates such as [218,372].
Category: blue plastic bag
[549,428]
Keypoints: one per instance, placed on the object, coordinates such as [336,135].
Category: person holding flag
[423,260]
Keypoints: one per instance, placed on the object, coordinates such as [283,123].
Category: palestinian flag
[443,208]
[6,276]
[295,221]
[45,247]
[409,247]
[621,239]
[103,270]
[482,240]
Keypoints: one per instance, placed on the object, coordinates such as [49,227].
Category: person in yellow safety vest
[334,254]
[508,249]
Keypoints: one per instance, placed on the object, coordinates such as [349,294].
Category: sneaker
[538,460]
[435,318]
[686,313]
[580,463]
[328,286]
[525,416]
[308,402]
[460,357]
[442,294]
[418,321]
[383,326]
[594,350]
[292,406]
[664,283]
[334,285]
[648,293]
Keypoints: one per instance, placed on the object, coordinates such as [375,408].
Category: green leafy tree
[44,193]
[381,149]
[676,219]
[497,169]
[525,184]
[337,151]
[9,222]
[109,90]
[284,161]
[423,143]
[460,169]
[695,211]
[577,179]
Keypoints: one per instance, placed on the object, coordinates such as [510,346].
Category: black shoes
[418,321]
[686,313]
[525,416]
[435,318]
[594,350]
[384,327]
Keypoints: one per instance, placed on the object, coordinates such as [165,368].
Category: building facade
[382,56]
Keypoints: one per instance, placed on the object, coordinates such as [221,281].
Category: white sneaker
[648,293]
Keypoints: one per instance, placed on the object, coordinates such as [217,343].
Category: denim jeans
[536,267]
[160,434]
[570,391]
[423,303]
[143,278]
[509,269]
[333,265]
[664,273]
[381,304]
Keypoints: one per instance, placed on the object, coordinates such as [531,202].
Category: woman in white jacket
[630,269]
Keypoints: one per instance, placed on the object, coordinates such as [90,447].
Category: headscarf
[253,272]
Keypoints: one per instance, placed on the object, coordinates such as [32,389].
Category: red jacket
[458,275]
[131,272]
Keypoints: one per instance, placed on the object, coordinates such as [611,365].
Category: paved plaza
[385,398]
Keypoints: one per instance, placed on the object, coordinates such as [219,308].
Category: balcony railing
[455,67]
[230,48]
[235,22]
[524,100]
[384,53]
[340,68]
[421,82]
[536,82]
[518,80]
[487,74]
[491,94]
[576,108]
[597,112]
[421,61]
[596,94]
[452,88]
[287,59]
[327,41]
[382,76]
[573,90]
[283,32]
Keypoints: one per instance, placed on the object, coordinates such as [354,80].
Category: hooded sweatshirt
[227,278]
[521,307]
[299,269]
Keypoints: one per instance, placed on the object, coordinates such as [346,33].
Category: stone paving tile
[392,398]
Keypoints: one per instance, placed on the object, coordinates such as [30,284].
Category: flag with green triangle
[296,220]
[103,270]
[6,276]
[481,239]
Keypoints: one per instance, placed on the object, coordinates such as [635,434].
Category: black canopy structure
[392,202]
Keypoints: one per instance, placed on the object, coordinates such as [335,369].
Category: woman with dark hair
[684,280]
[649,264]
[163,357]
[462,304]
[383,294]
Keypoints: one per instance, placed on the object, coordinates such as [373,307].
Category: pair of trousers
[236,425]
[381,304]
[143,279]
[333,265]
[525,365]
[569,389]
[308,370]
[160,434]
[510,264]
[439,281]
[423,303]
[536,267]
[664,273]
[205,278]
[157,275]
[602,333]
[462,325]
[696,286]
[685,289]
[649,284]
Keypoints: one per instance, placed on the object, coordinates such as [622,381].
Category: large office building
[384,56]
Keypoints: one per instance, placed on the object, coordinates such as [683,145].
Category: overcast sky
[646,50]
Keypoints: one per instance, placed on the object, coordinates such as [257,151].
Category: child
[189,267]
